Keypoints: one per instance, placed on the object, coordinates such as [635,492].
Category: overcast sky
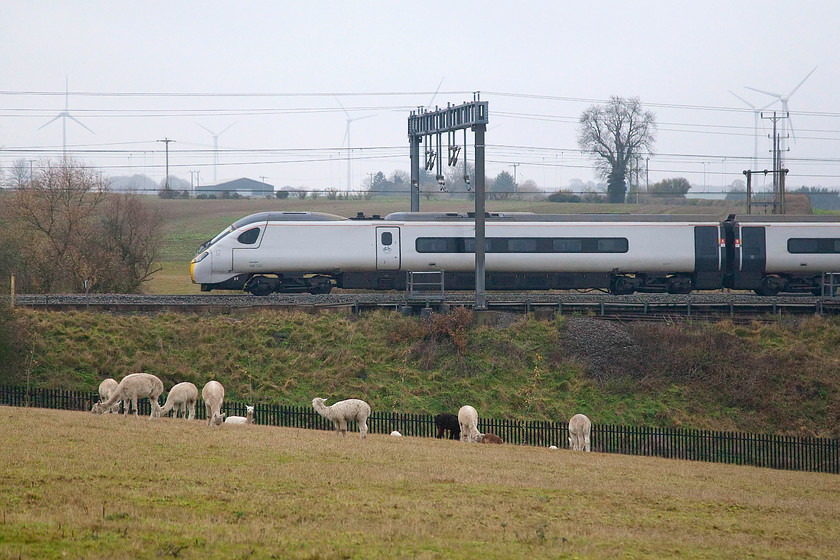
[272,78]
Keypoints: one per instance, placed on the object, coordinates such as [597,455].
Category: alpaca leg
[155,413]
[464,433]
[192,412]
[342,427]
[363,429]
[586,443]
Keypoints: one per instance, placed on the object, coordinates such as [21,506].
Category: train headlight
[201,257]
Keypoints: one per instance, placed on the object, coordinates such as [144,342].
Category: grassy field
[75,485]
[188,223]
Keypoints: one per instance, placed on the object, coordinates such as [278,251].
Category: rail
[638,310]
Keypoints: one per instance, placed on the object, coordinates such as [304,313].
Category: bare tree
[72,234]
[127,252]
[19,174]
[56,208]
[615,134]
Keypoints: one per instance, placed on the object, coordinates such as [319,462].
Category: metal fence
[760,450]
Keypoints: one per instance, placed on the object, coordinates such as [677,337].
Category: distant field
[188,223]
[84,486]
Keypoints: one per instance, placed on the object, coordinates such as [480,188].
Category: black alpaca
[448,422]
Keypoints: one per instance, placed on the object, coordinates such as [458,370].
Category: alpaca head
[318,403]
[97,408]
[249,410]
[217,418]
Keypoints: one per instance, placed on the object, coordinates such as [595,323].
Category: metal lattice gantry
[432,125]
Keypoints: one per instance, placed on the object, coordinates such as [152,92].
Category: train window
[813,245]
[522,245]
[249,237]
[612,245]
[567,245]
[490,245]
[387,238]
[431,245]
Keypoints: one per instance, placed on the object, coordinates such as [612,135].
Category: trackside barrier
[759,450]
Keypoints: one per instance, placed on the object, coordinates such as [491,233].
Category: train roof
[287,217]
[785,218]
[533,217]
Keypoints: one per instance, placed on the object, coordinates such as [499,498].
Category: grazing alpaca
[468,421]
[106,389]
[579,429]
[248,419]
[181,398]
[446,422]
[213,394]
[132,387]
[490,438]
[344,411]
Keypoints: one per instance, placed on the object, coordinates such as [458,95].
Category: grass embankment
[779,378]
[84,486]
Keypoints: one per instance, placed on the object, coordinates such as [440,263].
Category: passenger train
[293,252]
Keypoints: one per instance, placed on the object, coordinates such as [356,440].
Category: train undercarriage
[614,283]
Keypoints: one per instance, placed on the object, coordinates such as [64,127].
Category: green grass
[779,378]
[84,486]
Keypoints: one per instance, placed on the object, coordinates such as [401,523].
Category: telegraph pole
[167,141]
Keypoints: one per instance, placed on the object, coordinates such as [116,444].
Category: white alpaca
[396,433]
[213,394]
[579,429]
[106,389]
[182,399]
[468,421]
[248,419]
[344,411]
[132,387]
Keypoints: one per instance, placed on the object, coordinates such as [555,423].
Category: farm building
[243,186]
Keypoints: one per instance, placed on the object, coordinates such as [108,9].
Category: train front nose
[200,268]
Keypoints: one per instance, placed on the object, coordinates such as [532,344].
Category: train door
[708,249]
[709,257]
[387,248]
[753,249]
[244,255]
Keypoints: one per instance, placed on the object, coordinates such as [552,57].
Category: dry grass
[81,486]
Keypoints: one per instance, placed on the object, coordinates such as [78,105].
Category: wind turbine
[215,146]
[64,115]
[757,114]
[347,139]
[786,113]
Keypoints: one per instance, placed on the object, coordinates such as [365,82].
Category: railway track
[638,307]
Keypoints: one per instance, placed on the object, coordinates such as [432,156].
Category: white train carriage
[303,251]
[773,254]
